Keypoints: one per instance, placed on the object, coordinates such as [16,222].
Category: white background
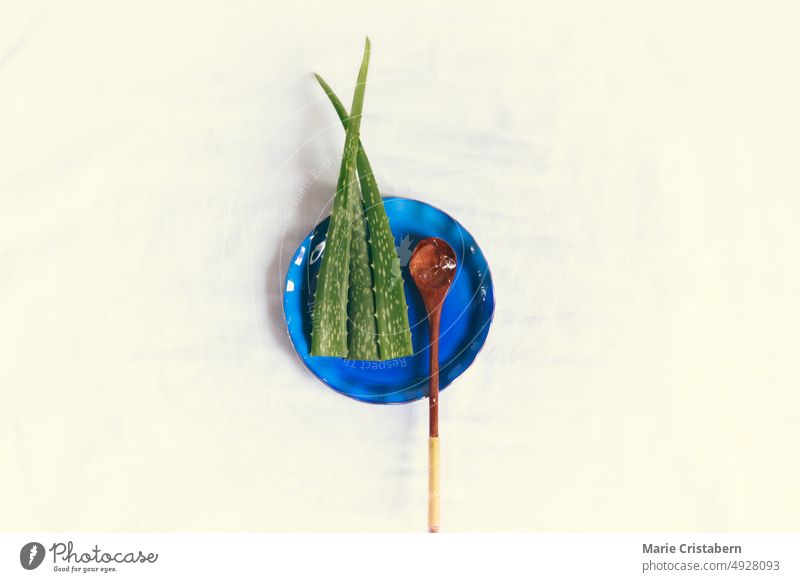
[629,169]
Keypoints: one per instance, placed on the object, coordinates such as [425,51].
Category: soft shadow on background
[310,203]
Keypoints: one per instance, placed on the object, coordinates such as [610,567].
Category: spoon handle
[433,392]
[433,440]
[433,484]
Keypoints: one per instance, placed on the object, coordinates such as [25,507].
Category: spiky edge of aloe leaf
[362,331]
[394,333]
[329,328]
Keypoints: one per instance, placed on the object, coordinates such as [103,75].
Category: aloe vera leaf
[362,331]
[394,333]
[329,327]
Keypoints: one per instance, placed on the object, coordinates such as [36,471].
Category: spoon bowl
[432,266]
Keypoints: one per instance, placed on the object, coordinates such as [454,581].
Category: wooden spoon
[433,267]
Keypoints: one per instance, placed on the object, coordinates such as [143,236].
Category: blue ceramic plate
[466,315]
